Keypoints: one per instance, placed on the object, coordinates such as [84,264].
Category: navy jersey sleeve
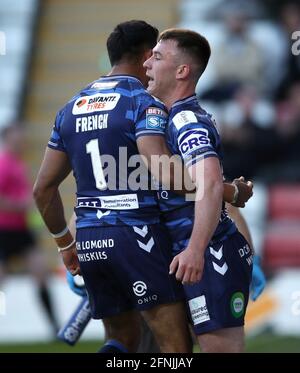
[151,118]
[196,140]
[56,141]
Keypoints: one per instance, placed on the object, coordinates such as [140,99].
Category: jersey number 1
[92,148]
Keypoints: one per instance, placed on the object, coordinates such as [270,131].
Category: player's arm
[54,169]
[174,175]
[168,170]
[72,224]
[75,283]
[240,222]
[238,192]
[207,175]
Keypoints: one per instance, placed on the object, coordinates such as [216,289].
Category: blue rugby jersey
[192,134]
[98,129]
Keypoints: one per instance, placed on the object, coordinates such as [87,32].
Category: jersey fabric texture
[126,267]
[98,129]
[220,299]
[191,134]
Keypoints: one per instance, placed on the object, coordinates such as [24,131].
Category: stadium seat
[282,245]
[284,202]
[282,236]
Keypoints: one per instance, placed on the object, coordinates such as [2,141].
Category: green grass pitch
[263,343]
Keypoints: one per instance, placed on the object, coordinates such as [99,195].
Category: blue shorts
[220,299]
[126,268]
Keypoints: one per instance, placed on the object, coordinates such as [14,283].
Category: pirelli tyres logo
[94,103]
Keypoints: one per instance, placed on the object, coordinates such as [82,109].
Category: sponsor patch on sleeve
[156,119]
[192,141]
[183,118]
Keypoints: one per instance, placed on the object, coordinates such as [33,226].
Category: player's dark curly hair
[129,39]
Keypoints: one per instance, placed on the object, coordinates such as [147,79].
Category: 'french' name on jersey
[91,123]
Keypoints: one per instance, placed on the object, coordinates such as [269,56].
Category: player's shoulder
[60,115]
[158,103]
[189,113]
[99,95]
[205,117]
[152,105]
[126,85]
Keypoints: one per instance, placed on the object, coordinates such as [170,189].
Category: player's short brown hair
[193,44]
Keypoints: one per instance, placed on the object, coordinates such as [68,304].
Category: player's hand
[245,191]
[76,284]
[188,266]
[258,282]
[71,261]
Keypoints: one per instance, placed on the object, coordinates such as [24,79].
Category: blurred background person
[247,132]
[16,238]
[288,23]
[235,44]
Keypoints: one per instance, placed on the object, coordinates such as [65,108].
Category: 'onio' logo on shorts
[139,288]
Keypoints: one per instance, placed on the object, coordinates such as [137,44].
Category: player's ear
[182,71]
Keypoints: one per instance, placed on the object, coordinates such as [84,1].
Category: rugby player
[121,249]
[128,118]
[211,258]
